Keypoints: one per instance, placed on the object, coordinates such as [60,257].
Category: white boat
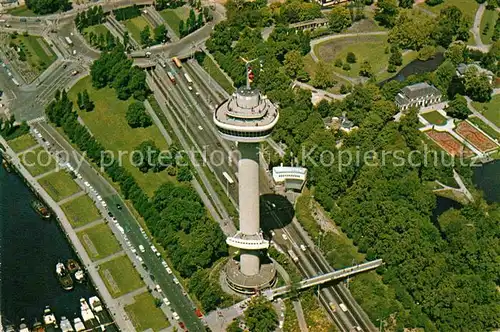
[49,319]
[79,326]
[80,276]
[95,304]
[23,327]
[66,325]
[85,310]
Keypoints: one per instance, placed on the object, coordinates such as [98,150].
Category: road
[311,262]
[476,29]
[480,116]
[179,302]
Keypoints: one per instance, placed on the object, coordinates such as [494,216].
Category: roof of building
[401,99]
[462,68]
[318,21]
[419,90]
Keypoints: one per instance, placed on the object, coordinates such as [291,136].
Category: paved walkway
[476,29]
[128,298]
[482,117]
[70,198]
[319,92]
[116,310]
[297,306]
[38,177]
[109,258]
[89,225]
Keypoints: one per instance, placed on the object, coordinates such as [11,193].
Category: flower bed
[475,137]
[449,144]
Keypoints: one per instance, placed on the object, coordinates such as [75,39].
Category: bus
[15,82]
[171,77]
[293,256]
[228,178]
[68,40]
[188,78]
[177,62]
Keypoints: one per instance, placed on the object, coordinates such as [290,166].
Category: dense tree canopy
[43,7]
[412,30]
[137,116]
[261,316]
[339,19]
[477,85]
[457,108]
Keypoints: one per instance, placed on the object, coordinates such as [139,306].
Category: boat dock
[116,310]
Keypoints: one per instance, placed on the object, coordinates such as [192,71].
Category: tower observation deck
[248,118]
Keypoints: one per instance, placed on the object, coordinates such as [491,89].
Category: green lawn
[490,110]
[468,7]
[214,71]
[99,241]
[80,211]
[367,48]
[135,26]
[173,16]
[434,117]
[98,29]
[120,276]
[38,53]
[484,127]
[21,11]
[22,143]
[489,17]
[38,161]
[59,185]
[145,315]
[108,124]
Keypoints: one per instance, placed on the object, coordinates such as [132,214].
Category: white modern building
[417,95]
[292,177]
[248,118]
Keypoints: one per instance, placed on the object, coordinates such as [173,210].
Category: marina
[38,301]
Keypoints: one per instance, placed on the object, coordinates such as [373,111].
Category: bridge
[321,279]
[144,63]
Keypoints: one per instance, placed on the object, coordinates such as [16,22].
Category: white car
[176,281]
[200,127]
[166,301]
[133,250]
[165,265]
[153,248]
[141,248]
[176,315]
[139,258]
[303,247]
[158,288]
[284,237]
[86,184]
[169,271]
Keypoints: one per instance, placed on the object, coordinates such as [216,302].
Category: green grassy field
[38,53]
[108,124]
[484,127]
[21,11]
[80,211]
[490,110]
[145,315]
[98,29]
[120,276]
[174,16]
[367,48]
[38,161]
[135,26]
[59,185]
[468,7]
[22,143]
[490,18]
[214,71]
[434,117]
[99,241]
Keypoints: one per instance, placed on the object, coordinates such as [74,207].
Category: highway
[311,262]
[180,303]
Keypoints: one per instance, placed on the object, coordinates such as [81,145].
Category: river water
[30,247]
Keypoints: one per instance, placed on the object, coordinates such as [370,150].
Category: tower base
[243,284]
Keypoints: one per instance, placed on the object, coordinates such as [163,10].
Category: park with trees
[44,7]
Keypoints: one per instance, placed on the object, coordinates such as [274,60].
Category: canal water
[30,247]
[417,67]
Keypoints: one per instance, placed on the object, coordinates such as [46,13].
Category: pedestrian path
[128,298]
[70,198]
[89,225]
[109,258]
[297,306]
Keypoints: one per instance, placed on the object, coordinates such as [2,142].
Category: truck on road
[15,82]
[343,307]
[293,256]
[69,41]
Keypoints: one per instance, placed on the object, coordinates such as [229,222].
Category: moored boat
[23,327]
[49,319]
[87,314]
[72,265]
[7,167]
[95,304]
[64,277]
[79,326]
[41,209]
[80,276]
[66,325]
[38,327]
